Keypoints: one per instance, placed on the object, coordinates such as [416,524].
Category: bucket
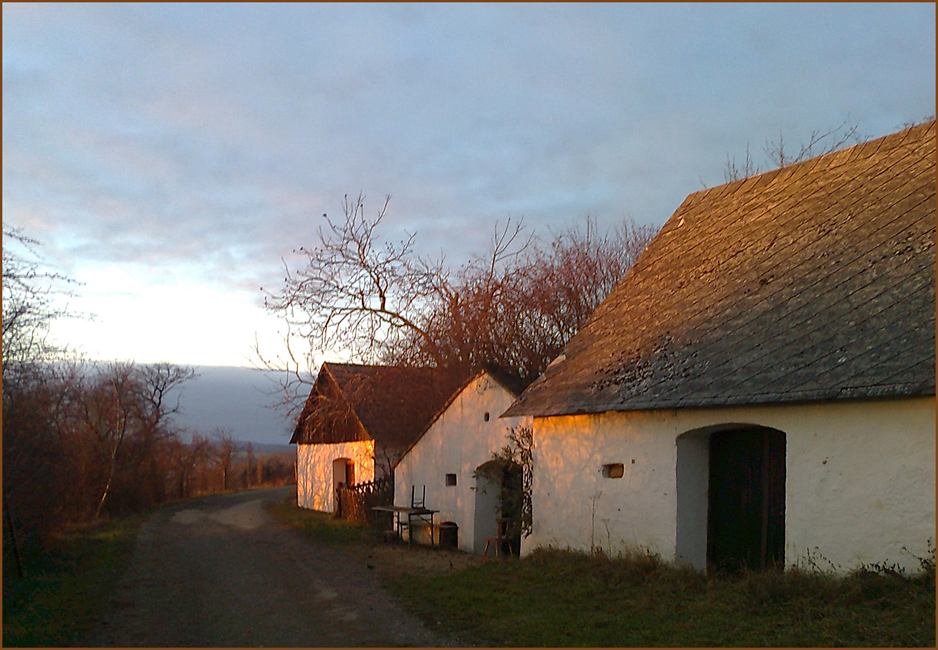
[449,535]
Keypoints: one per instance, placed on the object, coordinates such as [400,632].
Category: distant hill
[238,400]
[265,448]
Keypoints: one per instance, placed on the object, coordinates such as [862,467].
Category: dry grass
[390,559]
[557,598]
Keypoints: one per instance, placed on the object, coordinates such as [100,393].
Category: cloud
[205,140]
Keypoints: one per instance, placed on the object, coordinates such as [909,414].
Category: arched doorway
[746,499]
[731,497]
[343,474]
[498,494]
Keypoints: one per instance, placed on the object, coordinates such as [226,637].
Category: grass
[558,598]
[555,598]
[65,588]
[319,526]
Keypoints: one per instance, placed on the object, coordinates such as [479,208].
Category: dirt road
[221,571]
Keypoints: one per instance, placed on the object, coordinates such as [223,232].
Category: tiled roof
[811,282]
[501,378]
[389,404]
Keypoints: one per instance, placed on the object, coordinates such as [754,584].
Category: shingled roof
[390,404]
[812,282]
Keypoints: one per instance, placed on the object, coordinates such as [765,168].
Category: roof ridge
[755,290]
[857,150]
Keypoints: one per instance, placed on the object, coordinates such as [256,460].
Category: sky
[171,157]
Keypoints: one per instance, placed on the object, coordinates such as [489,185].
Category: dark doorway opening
[746,501]
[498,507]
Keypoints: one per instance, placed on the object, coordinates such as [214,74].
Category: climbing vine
[513,468]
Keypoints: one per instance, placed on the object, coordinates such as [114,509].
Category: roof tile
[390,404]
[812,282]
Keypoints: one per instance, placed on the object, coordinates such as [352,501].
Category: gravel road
[220,571]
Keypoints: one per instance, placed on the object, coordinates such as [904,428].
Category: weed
[926,563]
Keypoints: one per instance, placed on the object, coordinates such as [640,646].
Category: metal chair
[417,518]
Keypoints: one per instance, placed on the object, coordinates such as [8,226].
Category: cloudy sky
[170,156]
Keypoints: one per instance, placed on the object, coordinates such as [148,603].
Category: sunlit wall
[860,485]
[464,437]
[315,477]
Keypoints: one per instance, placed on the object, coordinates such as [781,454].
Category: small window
[614,470]
[486,416]
[450,479]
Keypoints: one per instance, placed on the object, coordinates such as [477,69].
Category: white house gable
[357,421]
[461,439]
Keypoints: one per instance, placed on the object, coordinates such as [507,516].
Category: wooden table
[410,512]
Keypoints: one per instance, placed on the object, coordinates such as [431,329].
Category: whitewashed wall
[860,484]
[458,442]
[314,471]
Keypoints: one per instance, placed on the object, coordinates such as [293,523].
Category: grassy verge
[64,592]
[566,599]
[555,598]
[320,526]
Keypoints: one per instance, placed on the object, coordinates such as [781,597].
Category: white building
[357,422]
[760,387]
[443,462]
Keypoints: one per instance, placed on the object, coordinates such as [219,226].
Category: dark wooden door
[746,519]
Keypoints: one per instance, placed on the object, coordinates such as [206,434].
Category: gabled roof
[811,282]
[503,379]
[388,404]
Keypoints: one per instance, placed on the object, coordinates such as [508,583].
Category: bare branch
[515,307]
[28,304]
[357,292]
[819,143]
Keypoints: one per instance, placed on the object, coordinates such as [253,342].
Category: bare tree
[33,485]
[251,465]
[464,320]
[224,451]
[161,384]
[161,391]
[733,172]
[115,426]
[516,306]
[356,292]
[116,404]
[35,465]
[188,459]
[79,439]
[517,309]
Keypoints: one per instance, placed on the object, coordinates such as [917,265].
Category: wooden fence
[355,501]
